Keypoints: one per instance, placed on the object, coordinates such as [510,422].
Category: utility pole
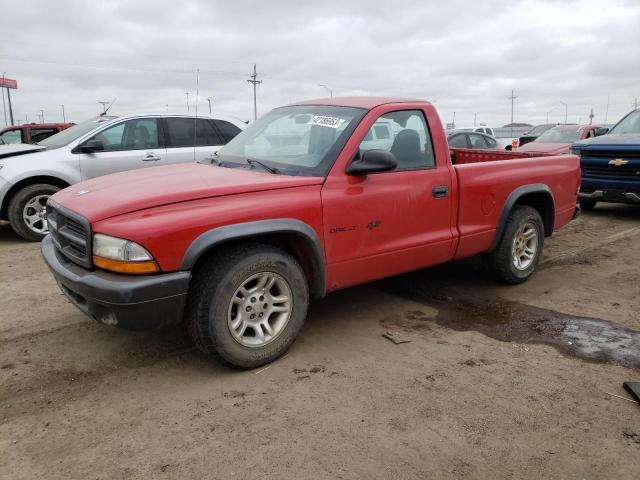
[253,79]
[591,115]
[64,117]
[328,89]
[10,108]
[512,98]
[209,100]
[41,116]
[104,107]
[187,94]
[566,110]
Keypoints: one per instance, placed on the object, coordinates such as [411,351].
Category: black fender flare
[548,218]
[242,231]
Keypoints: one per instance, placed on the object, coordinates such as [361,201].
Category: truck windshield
[295,140]
[560,135]
[629,124]
[70,134]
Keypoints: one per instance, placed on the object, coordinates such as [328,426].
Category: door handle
[151,157]
[441,191]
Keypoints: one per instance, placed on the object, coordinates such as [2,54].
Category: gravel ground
[493,382]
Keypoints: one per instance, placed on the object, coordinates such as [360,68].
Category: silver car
[101,145]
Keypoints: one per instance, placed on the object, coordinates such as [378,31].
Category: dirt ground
[494,382]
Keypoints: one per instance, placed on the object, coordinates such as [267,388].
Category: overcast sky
[463,56]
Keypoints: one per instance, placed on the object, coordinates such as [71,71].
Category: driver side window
[136,134]
[405,134]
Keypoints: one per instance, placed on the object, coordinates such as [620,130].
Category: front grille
[71,234]
[610,154]
[632,173]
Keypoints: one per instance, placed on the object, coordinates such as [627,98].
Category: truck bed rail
[467,155]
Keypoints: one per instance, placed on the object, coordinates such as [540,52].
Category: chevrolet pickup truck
[611,164]
[294,207]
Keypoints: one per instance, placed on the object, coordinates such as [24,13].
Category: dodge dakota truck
[611,164]
[294,207]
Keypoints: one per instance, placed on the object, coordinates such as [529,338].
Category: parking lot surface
[492,382]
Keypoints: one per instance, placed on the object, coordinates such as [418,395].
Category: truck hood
[19,149]
[550,148]
[608,142]
[125,192]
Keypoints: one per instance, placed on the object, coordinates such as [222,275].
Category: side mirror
[91,146]
[602,131]
[373,161]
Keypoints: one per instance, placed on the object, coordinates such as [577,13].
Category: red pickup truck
[31,132]
[303,202]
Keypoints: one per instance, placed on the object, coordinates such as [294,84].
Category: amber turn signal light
[132,268]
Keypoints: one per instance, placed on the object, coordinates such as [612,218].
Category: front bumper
[615,196]
[125,301]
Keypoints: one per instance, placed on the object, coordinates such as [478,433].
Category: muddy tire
[587,204]
[517,255]
[26,211]
[247,304]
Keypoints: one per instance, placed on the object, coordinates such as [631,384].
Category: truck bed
[484,185]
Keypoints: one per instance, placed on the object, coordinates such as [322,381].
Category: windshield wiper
[269,169]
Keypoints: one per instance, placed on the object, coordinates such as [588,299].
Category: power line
[116,67]
[253,79]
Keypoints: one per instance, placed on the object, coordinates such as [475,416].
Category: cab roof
[359,102]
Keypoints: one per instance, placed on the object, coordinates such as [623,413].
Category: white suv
[101,145]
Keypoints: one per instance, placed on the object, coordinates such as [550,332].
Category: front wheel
[28,211]
[517,255]
[247,304]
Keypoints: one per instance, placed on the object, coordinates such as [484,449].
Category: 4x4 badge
[618,162]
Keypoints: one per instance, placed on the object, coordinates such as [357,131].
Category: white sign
[331,122]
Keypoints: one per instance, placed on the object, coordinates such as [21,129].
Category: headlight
[123,256]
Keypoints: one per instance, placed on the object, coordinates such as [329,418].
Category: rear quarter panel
[485,187]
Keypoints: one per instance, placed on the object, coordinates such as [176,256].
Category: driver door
[385,223]
[135,143]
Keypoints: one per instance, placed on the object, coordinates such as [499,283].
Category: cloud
[463,56]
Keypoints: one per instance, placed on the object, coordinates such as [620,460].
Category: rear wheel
[517,255]
[28,211]
[588,204]
[247,304]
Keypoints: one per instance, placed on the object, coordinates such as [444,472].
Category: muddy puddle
[592,339]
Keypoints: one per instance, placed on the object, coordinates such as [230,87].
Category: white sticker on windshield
[331,122]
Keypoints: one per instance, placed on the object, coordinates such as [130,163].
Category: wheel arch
[25,182]
[294,236]
[538,196]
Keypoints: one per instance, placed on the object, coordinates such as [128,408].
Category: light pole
[4,106]
[549,113]
[328,89]
[187,94]
[64,117]
[566,110]
[209,100]
[41,116]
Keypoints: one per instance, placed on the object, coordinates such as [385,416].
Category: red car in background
[558,140]
[30,132]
